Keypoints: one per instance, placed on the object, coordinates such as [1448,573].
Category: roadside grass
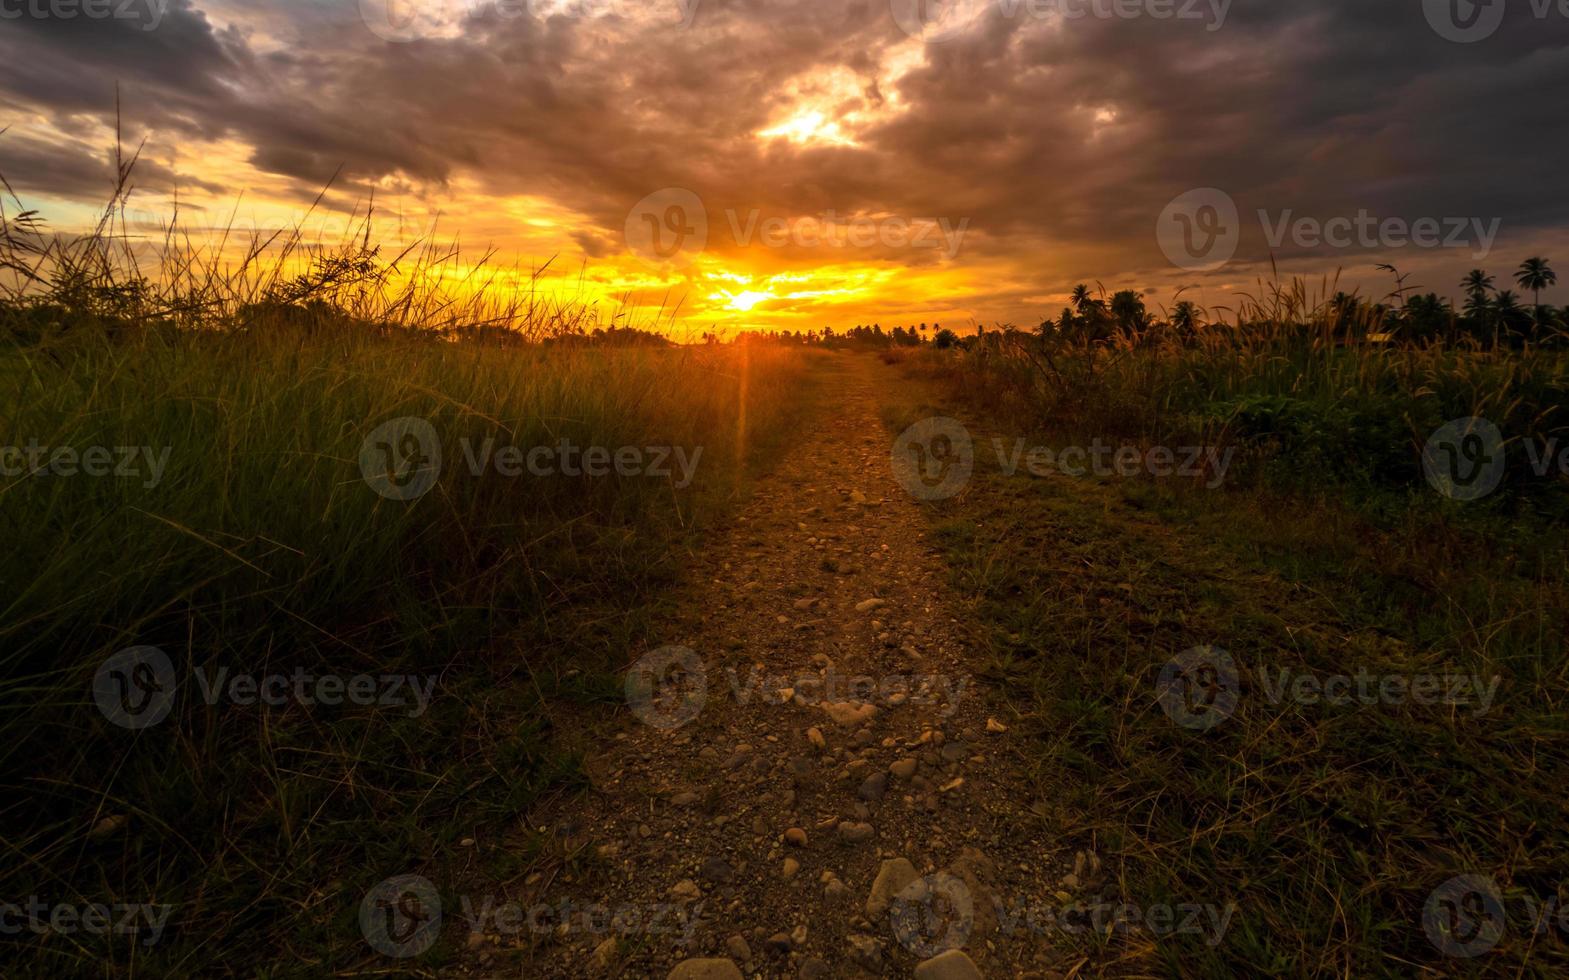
[261,548]
[1327,825]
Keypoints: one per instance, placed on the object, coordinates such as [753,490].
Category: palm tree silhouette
[1476,283]
[1536,276]
[1081,297]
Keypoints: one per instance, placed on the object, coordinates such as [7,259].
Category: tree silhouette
[1476,283]
[1535,275]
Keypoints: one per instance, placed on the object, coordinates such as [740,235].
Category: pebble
[867,605]
[874,787]
[685,890]
[795,837]
[902,769]
[813,968]
[737,947]
[867,953]
[854,833]
[791,866]
[951,965]
[711,969]
[893,877]
[779,943]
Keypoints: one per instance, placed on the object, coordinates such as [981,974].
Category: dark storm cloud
[80,170]
[1049,136]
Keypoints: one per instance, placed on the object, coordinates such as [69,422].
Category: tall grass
[1304,397]
[1327,826]
[262,548]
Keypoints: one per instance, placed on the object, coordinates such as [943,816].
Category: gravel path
[813,781]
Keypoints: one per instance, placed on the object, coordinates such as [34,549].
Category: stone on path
[892,878]
[951,965]
[711,969]
[850,713]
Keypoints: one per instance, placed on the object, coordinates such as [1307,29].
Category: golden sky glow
[793,165]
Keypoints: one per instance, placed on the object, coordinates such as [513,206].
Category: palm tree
[1185,318]
[1081,295]
[1507,306]
[1535,275]
[1476,283]
[1127,306]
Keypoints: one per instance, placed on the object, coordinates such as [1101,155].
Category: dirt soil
[817,719]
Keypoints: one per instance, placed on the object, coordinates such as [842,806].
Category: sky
[794,164]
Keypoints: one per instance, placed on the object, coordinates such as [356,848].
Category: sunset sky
[801,163]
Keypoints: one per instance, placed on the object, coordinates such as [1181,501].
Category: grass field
[235,524]
[1323,553]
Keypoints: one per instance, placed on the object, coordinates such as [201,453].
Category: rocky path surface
[813,781]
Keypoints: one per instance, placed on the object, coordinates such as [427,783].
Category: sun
[746,299]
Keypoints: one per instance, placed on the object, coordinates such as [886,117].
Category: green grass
[262,549]
[1327,826]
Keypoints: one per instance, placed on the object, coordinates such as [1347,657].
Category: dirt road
[813,780]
